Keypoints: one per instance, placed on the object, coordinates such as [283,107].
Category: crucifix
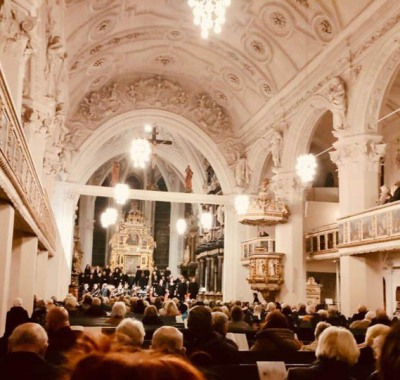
[154,141]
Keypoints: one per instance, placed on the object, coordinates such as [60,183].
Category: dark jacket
[214,344]
[274,340]
[26,365]
[16,316]
[326,369]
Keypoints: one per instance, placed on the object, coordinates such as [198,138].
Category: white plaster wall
[319,214]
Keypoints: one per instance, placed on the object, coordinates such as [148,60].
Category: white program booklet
[271,370]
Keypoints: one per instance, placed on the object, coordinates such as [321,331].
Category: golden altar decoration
[266,272]
[132,244]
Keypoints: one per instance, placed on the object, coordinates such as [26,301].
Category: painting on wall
[341,233]
[354,230]
[368,231]
[381,225]
[396,221]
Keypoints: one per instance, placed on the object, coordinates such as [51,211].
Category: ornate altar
[313,292]
[132,244]
[266,272]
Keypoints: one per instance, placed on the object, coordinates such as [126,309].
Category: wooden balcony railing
[18,177]
[322,240]
[249,247]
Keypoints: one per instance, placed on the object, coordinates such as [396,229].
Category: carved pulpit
[132,244]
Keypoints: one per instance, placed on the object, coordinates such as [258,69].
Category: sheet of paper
[271,370]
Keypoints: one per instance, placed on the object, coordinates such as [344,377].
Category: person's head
[199,320]
[150,311]
[171,310]
[17,302]
[389,358]
[130,332]
[40,304]
[370,316]
[167,339]
[271,307]
[139,365]
[236,314]
[339,344]
[219,322]
[57,318]
[28,337]
[275,320]
[374,332]
[321,326]
[96,301]
[362,309]
[119,309]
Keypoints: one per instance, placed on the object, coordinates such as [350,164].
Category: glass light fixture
[109,217]
[181,226]
[140,152]
[242,202]
[206,220]
[209,14]
[121,193]
[305,167]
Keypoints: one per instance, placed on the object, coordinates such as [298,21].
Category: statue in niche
[56,56]
[67,150]
[337,97]
[60,129]
[115,173]
[188,179]
[242,171]
[275,146]
[221,215]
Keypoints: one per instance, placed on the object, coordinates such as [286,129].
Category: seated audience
[95,309]
[27,345]
[129,335]
[361,312]
[117,314]
[39,314]
[170,309]
[321,326]
[219,322]
[381,318]
[169,340]
[237,323]
[16,316]
[275,335]
[199,337]
[151,316]
[389,358]
[337,351]
[363,324]
[61,337]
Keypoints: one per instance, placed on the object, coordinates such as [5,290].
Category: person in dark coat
[27,345]
[39,314]
[200,338]
[16,316]
[151,316]
[181,289]
[337,351]
[275,335]
[61,337]
[193,289]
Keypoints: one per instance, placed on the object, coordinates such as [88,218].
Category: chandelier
[121,193]
[209,14]
[140,152]
[305,167]
[181,226]
[206,220]
[109,217]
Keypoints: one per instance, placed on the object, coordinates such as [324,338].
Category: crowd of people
[145,338]
[106,282]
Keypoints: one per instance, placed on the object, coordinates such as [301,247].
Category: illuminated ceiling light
[121,193]
[181,226]
[242,204]
[306,167]
[206,220]
[140,152]
[109,217]
[209,14]
[148,128]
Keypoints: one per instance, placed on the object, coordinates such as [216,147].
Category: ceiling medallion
[265,211]
[323,28]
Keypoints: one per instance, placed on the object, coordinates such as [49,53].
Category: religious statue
[337,97]
[242,171]
[275,146]
[56,56]
[60,129]
[221,215]
[188,179]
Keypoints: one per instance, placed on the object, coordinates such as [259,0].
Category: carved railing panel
[322,240]
[249,247]
[18,176]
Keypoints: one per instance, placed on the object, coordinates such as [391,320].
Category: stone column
[209,274]
[216,274]
[41,274]
[86,227]
[202,272]
[220,266]
[235,286]
[357,158]
[176,241]
[289,238]
[23,269]
[6,238]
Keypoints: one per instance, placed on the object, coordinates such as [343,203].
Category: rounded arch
[374,81]
[89,156]
[298,139]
